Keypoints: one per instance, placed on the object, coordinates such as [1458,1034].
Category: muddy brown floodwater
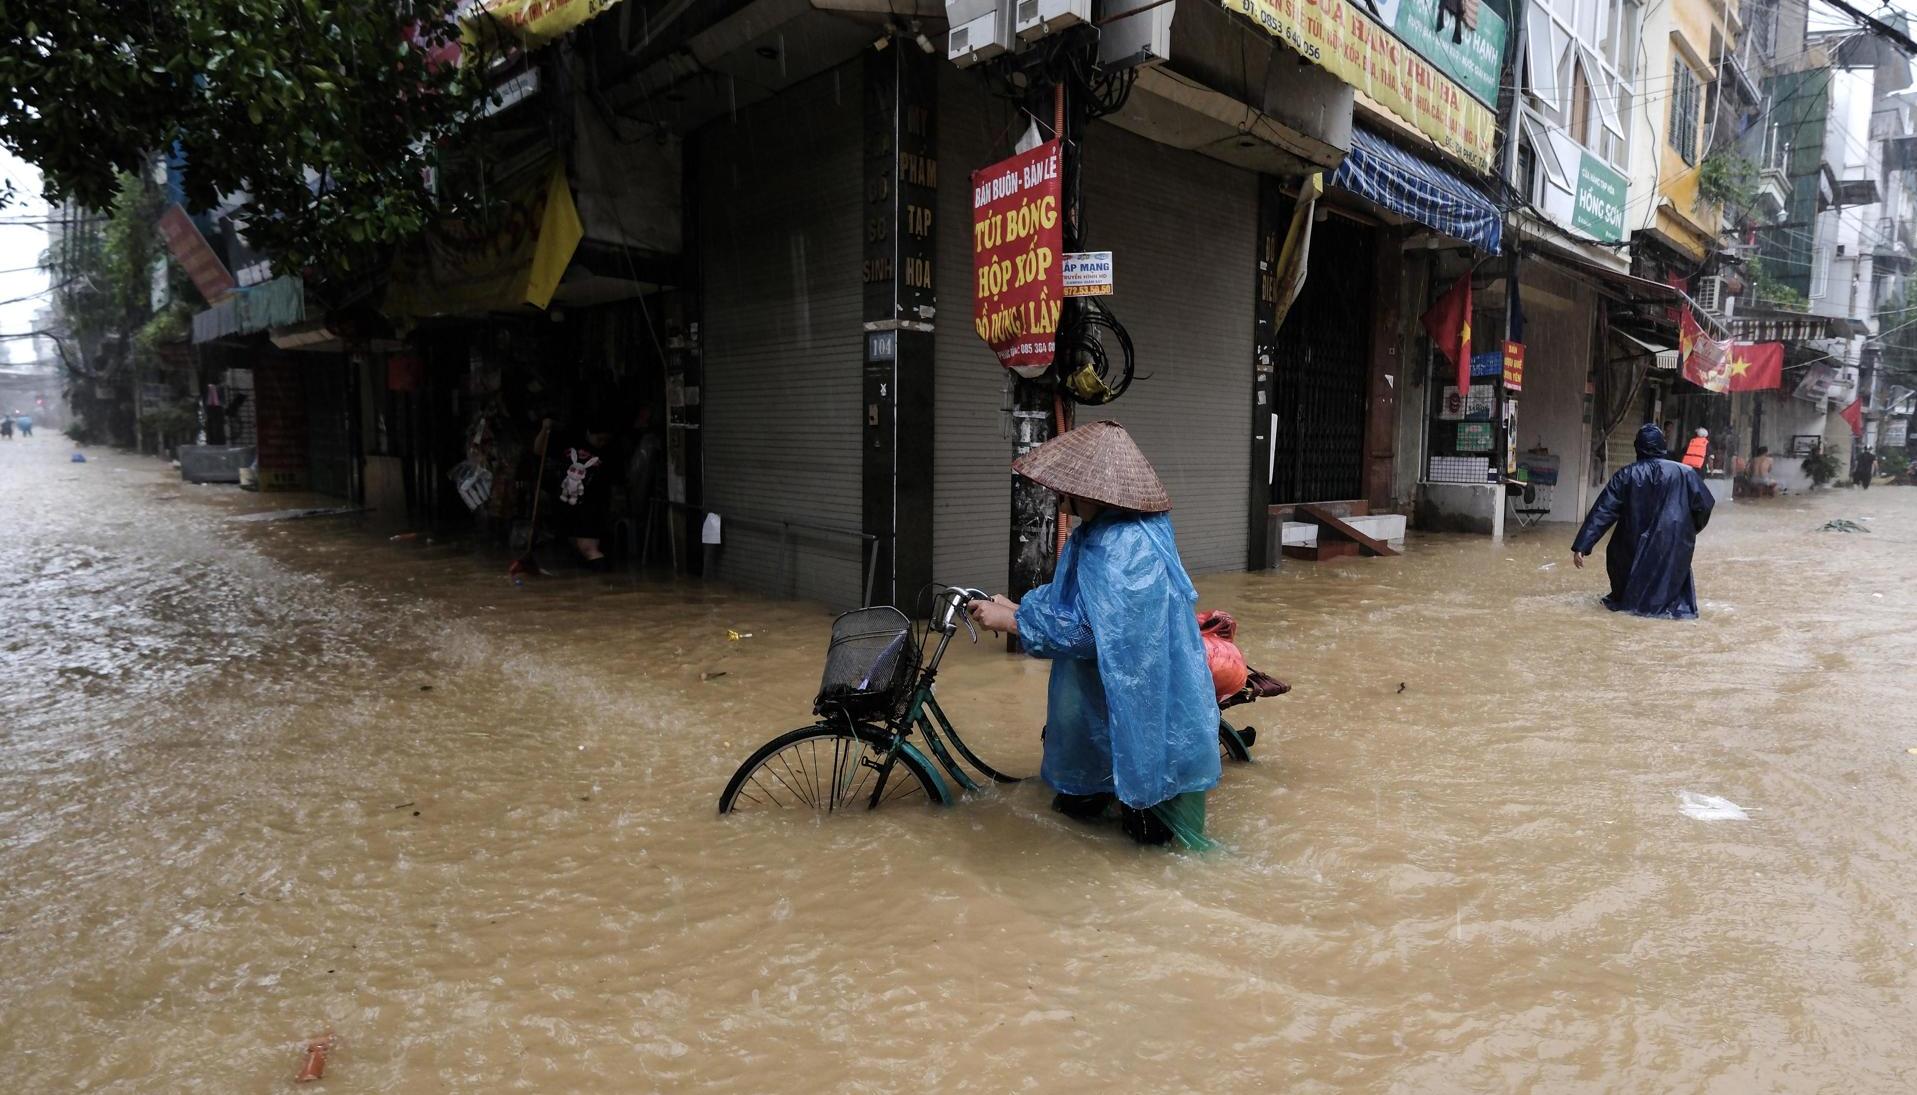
[259,780]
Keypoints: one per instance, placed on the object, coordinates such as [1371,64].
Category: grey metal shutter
[972,457]
[1182,230]
[780,257]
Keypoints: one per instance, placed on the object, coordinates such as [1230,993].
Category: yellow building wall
[1686,223]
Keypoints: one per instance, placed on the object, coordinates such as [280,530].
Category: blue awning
[1382,172]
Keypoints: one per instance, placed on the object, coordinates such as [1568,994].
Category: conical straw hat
[1097,461]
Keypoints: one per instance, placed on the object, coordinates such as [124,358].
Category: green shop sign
[1475,61]
[1599,210]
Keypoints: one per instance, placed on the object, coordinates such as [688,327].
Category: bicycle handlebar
[955,599]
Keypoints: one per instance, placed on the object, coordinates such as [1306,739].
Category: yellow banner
[533,22]
[514,258]
[1353,47]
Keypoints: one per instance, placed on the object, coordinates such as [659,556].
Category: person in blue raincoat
[1131,722]
[1659,506]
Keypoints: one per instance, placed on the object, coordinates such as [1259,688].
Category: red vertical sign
[1017,237]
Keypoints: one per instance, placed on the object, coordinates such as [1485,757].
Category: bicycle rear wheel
[829,769]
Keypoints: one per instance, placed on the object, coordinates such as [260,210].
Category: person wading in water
[1131,722]
[1659,506]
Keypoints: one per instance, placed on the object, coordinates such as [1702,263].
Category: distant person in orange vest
[1695,452]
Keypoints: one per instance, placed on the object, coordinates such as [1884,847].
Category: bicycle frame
[923,713]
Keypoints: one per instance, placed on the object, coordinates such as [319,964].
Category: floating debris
[1842,524]
[300,514]
[315,1066]
[1709,807]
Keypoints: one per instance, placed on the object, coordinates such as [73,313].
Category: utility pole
[1039,411]
[1513,126]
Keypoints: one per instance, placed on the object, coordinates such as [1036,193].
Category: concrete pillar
[901,185]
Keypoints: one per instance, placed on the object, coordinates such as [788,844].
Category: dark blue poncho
[1659,506]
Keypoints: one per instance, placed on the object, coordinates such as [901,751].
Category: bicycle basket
[869,666]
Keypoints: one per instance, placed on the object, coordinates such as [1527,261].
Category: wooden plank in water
[1334,523]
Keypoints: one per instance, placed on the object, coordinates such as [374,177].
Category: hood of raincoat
[1650,442]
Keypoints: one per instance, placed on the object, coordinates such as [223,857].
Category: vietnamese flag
[1448,322]
[1854,414]
[1756,366]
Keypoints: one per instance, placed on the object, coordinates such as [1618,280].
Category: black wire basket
[869,666]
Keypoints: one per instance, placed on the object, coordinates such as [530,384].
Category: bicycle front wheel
[829,769]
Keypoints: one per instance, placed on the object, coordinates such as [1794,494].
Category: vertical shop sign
[1017,237]
[1513,366]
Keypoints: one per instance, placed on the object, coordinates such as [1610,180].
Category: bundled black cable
[1087,366]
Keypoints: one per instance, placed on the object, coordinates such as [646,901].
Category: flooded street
[263,779]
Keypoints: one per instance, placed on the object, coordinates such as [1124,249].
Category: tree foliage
[106,289]
[1769,290]
[327,115]
[1729,181]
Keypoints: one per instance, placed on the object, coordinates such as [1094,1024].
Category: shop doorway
[1322,361]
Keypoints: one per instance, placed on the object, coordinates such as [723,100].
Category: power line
[1878,27]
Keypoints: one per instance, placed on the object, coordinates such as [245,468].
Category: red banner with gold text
[1017,237]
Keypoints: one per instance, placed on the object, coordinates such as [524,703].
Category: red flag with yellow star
[1448,322]
[1756,366]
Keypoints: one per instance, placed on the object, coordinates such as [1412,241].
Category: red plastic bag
[1227,662]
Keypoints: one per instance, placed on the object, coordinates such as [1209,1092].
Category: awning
[511,257]
[1379,171]
[274,303]
[533,23]
[1634,289]
[1665,357]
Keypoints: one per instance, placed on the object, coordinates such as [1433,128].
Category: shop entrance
[1319,382]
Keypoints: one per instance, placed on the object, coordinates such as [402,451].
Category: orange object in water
[315,1066]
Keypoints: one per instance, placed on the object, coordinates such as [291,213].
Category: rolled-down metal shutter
[1182,230]
[779,253]
[972,456]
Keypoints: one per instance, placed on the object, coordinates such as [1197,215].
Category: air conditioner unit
[980,30]
[1710,295]
[1133,33]
[1034,19]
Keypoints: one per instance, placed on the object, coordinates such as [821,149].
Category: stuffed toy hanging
[574,487]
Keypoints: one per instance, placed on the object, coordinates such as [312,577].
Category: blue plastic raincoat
[1659,506]
[1131,708]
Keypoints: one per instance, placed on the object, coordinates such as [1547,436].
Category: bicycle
[875,694]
